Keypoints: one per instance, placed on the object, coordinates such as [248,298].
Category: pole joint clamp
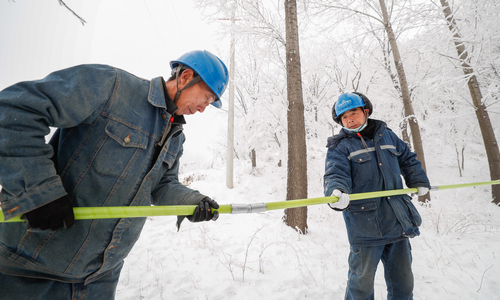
[248,208]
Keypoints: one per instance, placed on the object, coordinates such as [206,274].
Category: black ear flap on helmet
[368,104]
[334,115]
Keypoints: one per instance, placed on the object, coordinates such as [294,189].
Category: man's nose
[201,108]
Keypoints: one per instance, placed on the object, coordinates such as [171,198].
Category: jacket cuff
[340,209]
[28,201]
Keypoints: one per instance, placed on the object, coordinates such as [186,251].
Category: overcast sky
[40,36]
[37,37]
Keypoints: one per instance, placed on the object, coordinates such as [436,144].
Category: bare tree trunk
[490,142]
[395,82]
[412,120]
[297,156]
[404,133]
[253,157]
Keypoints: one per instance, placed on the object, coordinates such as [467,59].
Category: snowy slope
[256,256]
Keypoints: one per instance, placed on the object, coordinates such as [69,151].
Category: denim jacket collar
[156,96]
[169,106]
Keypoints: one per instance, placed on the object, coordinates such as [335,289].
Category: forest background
[256,256]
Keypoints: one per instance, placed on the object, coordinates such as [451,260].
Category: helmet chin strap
[193,81]
[366,117]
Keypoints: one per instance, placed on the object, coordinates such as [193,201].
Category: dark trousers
[363,263]
[23,288]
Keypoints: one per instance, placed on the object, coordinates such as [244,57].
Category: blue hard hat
[348,101]
[210,68]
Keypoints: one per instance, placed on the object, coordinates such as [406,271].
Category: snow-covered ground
[256,256]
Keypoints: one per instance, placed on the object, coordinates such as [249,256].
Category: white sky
[38,37]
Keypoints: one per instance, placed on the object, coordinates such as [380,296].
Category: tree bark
[490,142]
[403,83]
[253,156]
[297,155]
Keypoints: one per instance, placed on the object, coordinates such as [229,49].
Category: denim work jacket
[102,155]
[354,168]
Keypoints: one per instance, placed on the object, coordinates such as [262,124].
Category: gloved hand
[422,190]
[204,211]
[343,202]
[53,215]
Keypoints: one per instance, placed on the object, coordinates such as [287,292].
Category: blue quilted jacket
[355,168]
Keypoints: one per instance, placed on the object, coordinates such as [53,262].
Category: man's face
[353,118]
[195,98]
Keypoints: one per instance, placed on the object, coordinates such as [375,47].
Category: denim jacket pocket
[392,150]
[126,136]
[416,219]
[118,150]
[362,219]
[364,169]
[394,164]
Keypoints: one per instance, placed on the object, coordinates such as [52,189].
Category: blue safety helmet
[348,101]
[210,68]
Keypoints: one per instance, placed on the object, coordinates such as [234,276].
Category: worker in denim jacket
[366,156]
[118,143]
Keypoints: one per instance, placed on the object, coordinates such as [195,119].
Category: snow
[256,256]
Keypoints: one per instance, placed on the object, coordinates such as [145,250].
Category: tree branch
[61,2]
[348,9]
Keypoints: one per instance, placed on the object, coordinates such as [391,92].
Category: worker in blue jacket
[118,143]
[366,156]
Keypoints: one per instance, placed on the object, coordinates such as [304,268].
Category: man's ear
[186,76]
[367,112]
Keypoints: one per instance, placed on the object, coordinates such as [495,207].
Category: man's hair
[173,74]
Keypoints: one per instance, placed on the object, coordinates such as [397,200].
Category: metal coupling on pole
[248,208]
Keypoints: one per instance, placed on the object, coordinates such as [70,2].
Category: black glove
[53,215]
[204,211]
